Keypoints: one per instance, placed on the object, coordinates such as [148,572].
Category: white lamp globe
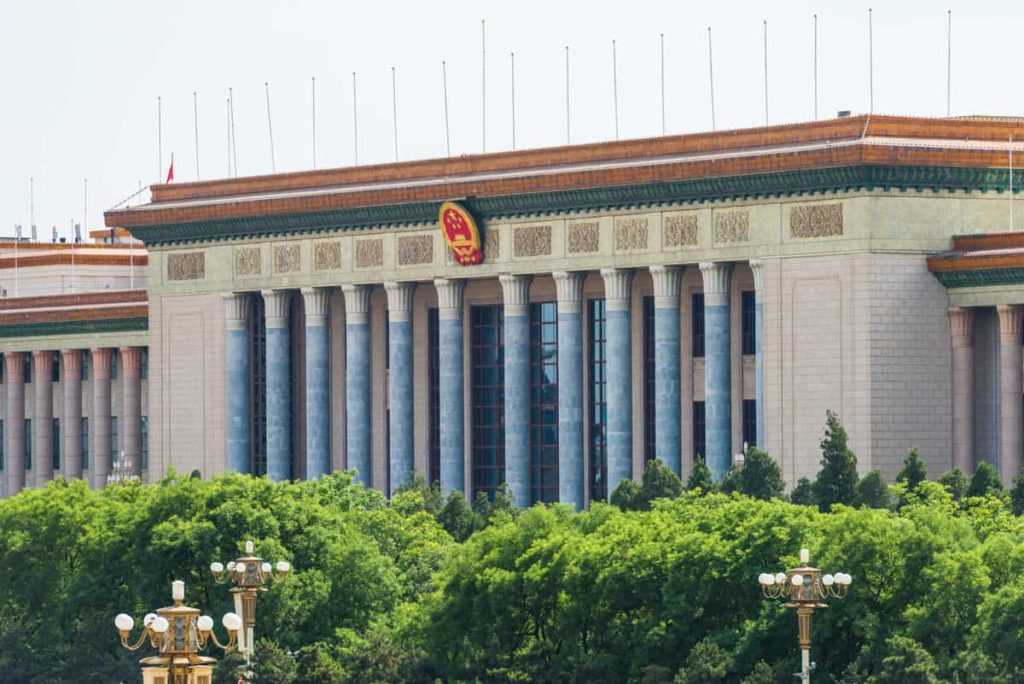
[232,622]
[148,619]
[231,566]
[762,578]
[780,578]
[283,566]
[828,580]
[266,568]
[204,623]
[797,580]
[846,579]
[240,568]
[124,622]
[216,567]
[159,625]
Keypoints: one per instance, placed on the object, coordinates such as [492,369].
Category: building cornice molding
[66,327]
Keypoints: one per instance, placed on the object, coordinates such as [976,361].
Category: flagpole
[711,79]
[663,129]
[227,119]
[444,90]
[815,67]
[871,65]
[270,129]
[85,203]
[394,110]
[513,56]
[314,121]
[355,124]
[568,130]
[765,72]
[483,84]
[615,87]
[234,140]
[949,59]
[159,139]
[195,119]
[31,200]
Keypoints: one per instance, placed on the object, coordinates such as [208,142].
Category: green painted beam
[74,327]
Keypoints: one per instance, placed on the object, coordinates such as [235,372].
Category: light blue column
[570,388]
[451,392]
[279,389]
[717,368]
[516,292]
[318,383]
[757,268]
[619,388]
[667,393]
[238,359]
[357,380]
[400,383]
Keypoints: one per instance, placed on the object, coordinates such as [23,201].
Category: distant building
[671,298]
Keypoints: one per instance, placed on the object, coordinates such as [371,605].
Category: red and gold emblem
[461,234]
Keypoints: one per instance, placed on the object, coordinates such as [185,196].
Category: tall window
[144,439]
[115,441]
[28,444]
[649,407]
[85,443]
[544,402]
[387,400]
[55,367]
[697,323]
[699,448]
[598,400]
[144,364]
[434,372]
[750,422]
[3,369]
[26,368]
[258,389]
[55,446]
[488,398]
[749,320]
[115,358]
[3,446]
[86,364]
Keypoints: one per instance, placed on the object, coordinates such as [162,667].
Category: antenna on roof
[195,120]
[78,232]
[662,36]
[270,129]
[234,140]
[871,65]
[815,67]
[394,110]
[444,92]
[765,72]
[513,56]
[615,87]
[711,79]
[483,84]
[949,58]
[227,111]
[355,124]
[568,118]
[35,235]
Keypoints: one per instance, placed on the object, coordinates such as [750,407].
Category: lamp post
[805,588]
[179,633]
[249,574]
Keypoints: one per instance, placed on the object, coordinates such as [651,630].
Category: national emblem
[461,234]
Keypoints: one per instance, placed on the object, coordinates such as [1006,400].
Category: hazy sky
[81,79]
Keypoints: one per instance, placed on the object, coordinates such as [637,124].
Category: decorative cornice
[980,278]
[569,286]
[831,179]
[399,300]
[515,291]
[75,327]
[716,282]
[449,297]
[617,282]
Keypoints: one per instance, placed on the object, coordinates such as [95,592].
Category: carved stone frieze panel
[327,256]
[248,261]
[370,253]
[680,230]
[531,241]
[816,220]
[186,266]
[731,226]
[584,238]
[415,249]
[631,233]
[287,258]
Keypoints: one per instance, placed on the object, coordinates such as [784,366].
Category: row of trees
[660,587]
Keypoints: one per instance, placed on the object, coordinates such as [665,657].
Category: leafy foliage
[913,472]
[985,481]
[872,491]
[837,480]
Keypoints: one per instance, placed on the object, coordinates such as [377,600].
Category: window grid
[28,444]
[114,363]
[598,400]
[749,320]
[115,441]
[750,422]
[649,407]
[144,439]
[488,398]
[697,323]
[85,443]
[544,402]
[699,448]
[55,367]
[26,368]
[86,364]
[55,445]
[258,390]
[144,364]
[434,372]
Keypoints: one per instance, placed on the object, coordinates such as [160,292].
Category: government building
[550,319]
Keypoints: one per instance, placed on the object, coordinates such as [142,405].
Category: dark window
[55,448]
[144,364]
[434,372]
[258,390]
[3,446]
[144,439]
[55,367]
[598,401]
[115,357]
[697,309]
[26,368]
[86,363]
[85,443]
[3,368]
[28,444]
[749,322]
[750,422]
[115,441]
[296,377]
[387,401]
[488,398]
[544,402]
[699,449]
[649,407]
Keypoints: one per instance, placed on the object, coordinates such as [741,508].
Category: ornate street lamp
[249,575]
[805,588]
[179,633]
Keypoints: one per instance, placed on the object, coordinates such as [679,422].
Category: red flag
[170,171]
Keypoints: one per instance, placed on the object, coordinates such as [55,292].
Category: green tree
[701,477]
[955,483]
[803,493]
[872,492]
[273,664]
[457,517]
[913,472]
[985,481]
[760,476]
[707,663]
[1017,495]
[627,496]
[659,482]
[837,480]
[315,666]
[906,662]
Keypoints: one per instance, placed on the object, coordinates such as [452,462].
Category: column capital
[237,306]
[101,362]
[667,280]
[40,356]
[449,297]
[617,282]
[757,268]
[72,360]
[357,303]
[131,359]
[716,282]
[399,300]
[569,286]
[515,290]
[276,307]
[961,326]
[1010,318]
[316,302]
[12,367]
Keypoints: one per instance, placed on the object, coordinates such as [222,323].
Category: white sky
[80,80]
